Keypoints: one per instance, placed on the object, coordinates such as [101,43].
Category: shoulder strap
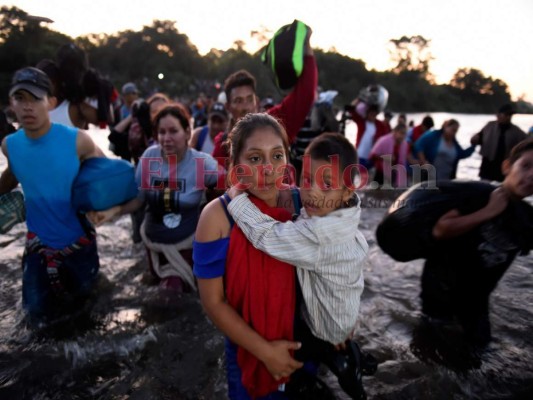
[201,138]
[297,201]
[224,200]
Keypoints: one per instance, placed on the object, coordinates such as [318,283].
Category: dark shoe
[347,367]
[306,386]
[369,365]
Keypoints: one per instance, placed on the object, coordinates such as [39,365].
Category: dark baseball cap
[32,80]
[219,109]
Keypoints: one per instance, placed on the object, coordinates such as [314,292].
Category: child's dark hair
[238,79]
[519,150]
[334,144]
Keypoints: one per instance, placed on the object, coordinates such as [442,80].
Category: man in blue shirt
[60,261]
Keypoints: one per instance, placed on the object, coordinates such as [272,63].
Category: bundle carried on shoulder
[405,233]
[12,210]
[103,183]
[372,95]
[284,54]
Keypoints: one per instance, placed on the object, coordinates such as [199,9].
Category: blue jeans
[78,276]
[236,390]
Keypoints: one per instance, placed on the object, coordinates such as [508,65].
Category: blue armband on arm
[210,258]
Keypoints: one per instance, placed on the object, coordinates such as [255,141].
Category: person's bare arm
[194,137]
[8,182]
[88,113]
[275,355]
[422,158]
[86,147]
[453,223]
[98,218]
[123,124]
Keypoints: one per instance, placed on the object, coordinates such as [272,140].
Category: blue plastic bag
[103,183]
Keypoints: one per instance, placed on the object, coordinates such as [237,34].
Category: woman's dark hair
[178,111]
[334,144]
[427,121]
[94,85]
[50,68]
[518,151]
[450,122]
[5,127]
[140,110]
[73,64]
[248,125]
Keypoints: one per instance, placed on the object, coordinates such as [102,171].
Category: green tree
[141,56]
[24,42]
[485,92]
[411,53]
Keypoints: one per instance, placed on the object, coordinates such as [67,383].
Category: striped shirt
[328,253]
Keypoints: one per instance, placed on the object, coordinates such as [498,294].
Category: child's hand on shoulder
[234,191]
[499,199]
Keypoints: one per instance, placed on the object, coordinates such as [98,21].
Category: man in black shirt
[497,139]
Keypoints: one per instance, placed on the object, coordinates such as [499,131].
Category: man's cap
[129,88]
[218,109]
[507,109]
[32,80]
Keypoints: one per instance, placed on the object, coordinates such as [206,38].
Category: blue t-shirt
[173,193]
[46,168]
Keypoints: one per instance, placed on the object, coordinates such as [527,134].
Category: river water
[136,341]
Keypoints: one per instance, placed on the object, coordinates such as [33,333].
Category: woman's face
[322,188]
[171,135]
[399,135]
[450,131]
[519,176]
[261,164]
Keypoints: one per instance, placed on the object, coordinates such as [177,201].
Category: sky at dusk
[490,35]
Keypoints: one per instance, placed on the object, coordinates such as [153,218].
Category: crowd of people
[275,254]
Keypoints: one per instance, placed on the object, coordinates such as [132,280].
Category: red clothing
[381,128]
[262,290]
[292,110]
[417,132]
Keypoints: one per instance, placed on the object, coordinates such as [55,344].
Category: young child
[476,243]
[327,249]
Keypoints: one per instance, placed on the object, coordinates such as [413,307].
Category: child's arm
[453,224]
[291,242]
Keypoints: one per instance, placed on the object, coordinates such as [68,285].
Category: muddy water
[134,340]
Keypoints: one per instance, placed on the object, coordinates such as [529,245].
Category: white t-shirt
[367,141]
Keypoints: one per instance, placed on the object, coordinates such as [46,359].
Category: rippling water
[135,341]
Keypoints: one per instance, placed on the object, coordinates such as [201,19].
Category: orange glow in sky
[490,35]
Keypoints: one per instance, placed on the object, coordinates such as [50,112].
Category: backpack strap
[202,137]
[225,200]
[296,201]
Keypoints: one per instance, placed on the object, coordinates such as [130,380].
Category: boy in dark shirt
[476,243]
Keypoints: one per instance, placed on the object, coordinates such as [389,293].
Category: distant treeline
[160,48]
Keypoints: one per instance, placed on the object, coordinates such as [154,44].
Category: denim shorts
[78,273]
